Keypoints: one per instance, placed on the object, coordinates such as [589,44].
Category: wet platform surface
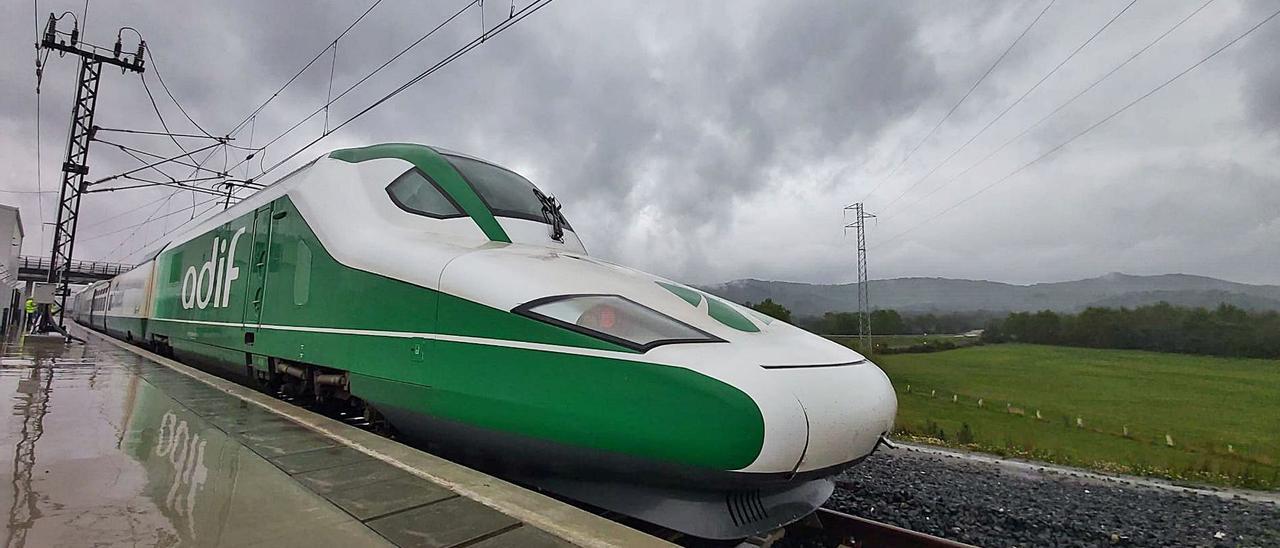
[107,447]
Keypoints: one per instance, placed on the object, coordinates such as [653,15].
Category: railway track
[825,527]
[841,529]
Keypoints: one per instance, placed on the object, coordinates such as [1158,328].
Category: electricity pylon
[860,217]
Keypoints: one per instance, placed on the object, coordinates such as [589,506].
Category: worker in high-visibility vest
[32,318]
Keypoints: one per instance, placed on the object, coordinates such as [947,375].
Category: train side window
[175,267]
[302,275]
[412,191]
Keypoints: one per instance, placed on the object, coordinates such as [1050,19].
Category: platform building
[10,249]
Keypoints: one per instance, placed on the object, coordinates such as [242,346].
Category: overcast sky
[708,141]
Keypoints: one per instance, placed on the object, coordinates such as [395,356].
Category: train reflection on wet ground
[113,445]
[103,453]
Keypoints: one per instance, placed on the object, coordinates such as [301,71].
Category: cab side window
[412,191]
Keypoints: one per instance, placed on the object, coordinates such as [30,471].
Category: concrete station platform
[110,445]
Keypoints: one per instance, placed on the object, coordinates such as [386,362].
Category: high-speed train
[451,300]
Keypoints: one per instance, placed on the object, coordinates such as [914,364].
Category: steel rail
[849,530]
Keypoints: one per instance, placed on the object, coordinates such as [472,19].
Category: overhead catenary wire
[155,68]
[155,168]
[956,106]
[154,164]
[220,142]
[239,125]
[497,29]
[176,183]
[1059,108]
[516,16]
[135,225]
[329,94]
[172,182]
[174,230]
[7,191]
[100,129]
[39,174]
[126,148]
[1090,128]
[111,254]
[885,209]
[357,84]
[160,116]
[253,127]
[152,217]
[101,222]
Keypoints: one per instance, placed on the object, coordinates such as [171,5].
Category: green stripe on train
[441,171]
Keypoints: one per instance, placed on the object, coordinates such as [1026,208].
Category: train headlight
[614,318]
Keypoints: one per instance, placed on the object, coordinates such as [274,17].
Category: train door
[257,286]
[93,303]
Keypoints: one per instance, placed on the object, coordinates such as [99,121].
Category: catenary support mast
[80,135]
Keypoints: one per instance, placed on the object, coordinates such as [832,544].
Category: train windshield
[507,193]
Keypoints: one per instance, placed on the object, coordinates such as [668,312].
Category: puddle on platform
[98,455]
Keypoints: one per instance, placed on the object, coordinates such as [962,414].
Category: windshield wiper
[551,213]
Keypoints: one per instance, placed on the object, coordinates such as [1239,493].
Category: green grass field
[1222,414]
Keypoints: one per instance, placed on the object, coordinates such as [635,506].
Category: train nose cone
[848,408]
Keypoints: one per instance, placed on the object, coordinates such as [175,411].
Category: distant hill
[951,295]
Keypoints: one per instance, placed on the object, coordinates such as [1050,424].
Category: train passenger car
[450,299]
[128,303]
[79,305]
[96,299]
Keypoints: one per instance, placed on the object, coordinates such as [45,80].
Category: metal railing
[97,268]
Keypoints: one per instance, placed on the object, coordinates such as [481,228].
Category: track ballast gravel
[988,504]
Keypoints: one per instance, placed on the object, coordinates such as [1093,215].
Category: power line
[152,217]
[304,68]
[1013,104]
[1091,127]
[136,228]
[358,83]
[154,168]
[123,213]
[152,165]
[39,175]
[155,67]
[497,29]
[962,99]
[156,108]
[174,229]
[99,129]
[135,225]
[127,149]
[28,191]
[176,183]
[1060,107]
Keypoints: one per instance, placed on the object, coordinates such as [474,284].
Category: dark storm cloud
[707,141]
[707,120]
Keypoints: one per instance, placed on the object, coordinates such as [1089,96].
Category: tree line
[883,322]
[1223,331]
[892,322]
